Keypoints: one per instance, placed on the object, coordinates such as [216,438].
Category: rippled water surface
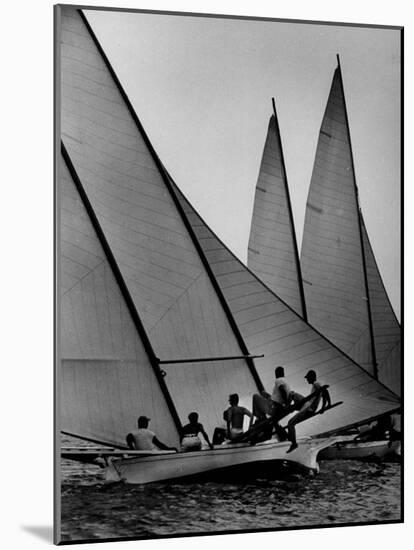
[343,492]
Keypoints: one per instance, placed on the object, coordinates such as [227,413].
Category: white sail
[107,379]
[345,297]
[169,285]
[194,297]
[331,258]
[386,329]
[272,251]
[271,327]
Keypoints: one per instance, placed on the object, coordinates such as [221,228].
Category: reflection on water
[343,492]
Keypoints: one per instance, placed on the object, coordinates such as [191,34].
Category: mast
[374,358]
[292,225]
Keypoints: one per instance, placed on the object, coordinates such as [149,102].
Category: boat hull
[267,459]
[360,450]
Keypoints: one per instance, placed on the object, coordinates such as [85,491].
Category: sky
[202,88]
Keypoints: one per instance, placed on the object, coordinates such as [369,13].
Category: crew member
[275,404]
[189,434]
[309,407]
[144,439]
[235,416]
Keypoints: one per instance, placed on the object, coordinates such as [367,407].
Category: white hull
[347,450]
[226,458]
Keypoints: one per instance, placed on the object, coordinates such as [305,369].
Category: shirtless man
[189,434]
[235,416]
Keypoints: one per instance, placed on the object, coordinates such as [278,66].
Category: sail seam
[84,277]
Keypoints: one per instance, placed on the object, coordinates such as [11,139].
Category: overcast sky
[202,88]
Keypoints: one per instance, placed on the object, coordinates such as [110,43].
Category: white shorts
[191,443]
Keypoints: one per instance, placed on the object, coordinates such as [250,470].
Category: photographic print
[228,233]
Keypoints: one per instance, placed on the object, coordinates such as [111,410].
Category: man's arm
[228,420]
[206,437]
[284,393]
[130,441]
[162,446]
[326,399]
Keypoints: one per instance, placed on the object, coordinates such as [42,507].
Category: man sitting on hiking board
[274,405]
[189,434]
[309,407]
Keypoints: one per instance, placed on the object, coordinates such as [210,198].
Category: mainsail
[107,378]
[170,286]
[272,250]
[344,294]
[269,326]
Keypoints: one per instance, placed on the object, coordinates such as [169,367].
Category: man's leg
[301,415]
[260,405]
[297,399]
[130,441]
[277,414]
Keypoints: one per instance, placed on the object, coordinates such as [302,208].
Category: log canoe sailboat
[145,284]
[337,285]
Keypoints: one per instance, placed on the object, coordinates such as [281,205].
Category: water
[343,492]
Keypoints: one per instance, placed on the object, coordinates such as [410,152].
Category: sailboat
[337,285]
[157,316]
[109,368]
